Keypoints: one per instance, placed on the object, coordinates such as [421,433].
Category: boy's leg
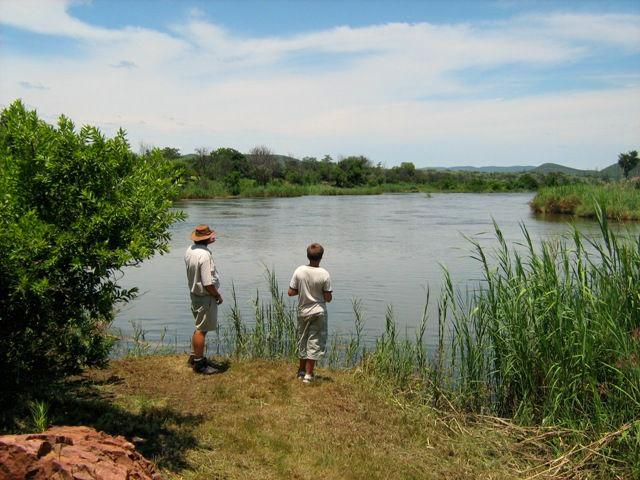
[302,335]
[309,364]
[302,366]
[316,342]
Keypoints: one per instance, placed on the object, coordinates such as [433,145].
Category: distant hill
[614,172]
[544,168]
[554,167]
[514,169]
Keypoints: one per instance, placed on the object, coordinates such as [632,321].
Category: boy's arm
[293,285]
[327,292]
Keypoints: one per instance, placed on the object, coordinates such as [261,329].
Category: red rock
[72,453]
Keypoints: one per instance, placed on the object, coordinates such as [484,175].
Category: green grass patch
[620,200]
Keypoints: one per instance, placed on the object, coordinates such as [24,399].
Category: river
[384,250]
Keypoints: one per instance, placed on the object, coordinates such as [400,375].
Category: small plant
[39,415]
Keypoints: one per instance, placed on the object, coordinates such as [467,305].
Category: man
[312,284]
[203,280]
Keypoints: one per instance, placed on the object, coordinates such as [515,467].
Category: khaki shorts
[205,313]
[312,336]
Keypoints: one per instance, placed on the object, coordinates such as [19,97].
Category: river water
[384,250]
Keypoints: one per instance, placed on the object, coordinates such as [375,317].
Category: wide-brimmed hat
[202,232]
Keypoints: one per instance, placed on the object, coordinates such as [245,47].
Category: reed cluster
[621,200]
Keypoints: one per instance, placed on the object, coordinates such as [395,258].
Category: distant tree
[326,169]
[264,164]
[232,182]
[225,161]
[202,160]
[405,173]
[170,153]
[144,148]
[628,161]
[526,181]
[352,171]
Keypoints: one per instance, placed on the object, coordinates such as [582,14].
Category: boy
[312,284]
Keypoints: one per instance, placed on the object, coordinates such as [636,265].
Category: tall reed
[552,335]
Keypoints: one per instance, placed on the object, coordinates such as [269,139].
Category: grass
[258,421]
[39,415]
[621,200]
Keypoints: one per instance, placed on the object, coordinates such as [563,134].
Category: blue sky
[437,83]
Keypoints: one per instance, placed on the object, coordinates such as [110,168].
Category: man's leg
[197,343]
[302,365]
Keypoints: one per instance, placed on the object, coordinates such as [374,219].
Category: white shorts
[312,336]
[205,313]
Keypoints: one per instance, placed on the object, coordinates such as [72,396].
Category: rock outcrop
[72,453]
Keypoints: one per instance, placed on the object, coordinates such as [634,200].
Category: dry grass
[257,421]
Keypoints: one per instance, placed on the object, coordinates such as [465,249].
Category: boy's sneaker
[308,378]
[201,366]
[300,374]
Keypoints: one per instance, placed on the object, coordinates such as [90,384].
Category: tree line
[261,167]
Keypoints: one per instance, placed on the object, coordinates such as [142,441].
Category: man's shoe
[202,366]
[192,359]
[300,374]
[308,378]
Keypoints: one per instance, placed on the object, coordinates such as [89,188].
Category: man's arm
[213,291]
[327,296]
[292,292]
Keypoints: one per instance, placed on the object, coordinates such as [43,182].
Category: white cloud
[367,90]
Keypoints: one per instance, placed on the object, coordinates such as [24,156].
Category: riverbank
[621,200]
[207,189]
[257,421]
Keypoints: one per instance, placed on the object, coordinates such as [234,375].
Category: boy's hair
[315,252]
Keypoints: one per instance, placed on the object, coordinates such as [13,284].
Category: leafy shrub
[74,209]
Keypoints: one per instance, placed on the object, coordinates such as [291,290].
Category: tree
[264,164]
[228,160]
[352,171]
[75,208]
[628,161]
[171,153]
[202,160]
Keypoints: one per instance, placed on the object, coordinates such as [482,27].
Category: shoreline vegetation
[620,199]
[227,173]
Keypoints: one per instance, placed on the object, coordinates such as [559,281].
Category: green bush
[74,209]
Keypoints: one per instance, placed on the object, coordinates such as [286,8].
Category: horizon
[439,84]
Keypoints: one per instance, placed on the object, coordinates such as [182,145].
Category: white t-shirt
[311,283]
[201,270]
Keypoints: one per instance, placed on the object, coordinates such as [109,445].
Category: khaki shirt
[201,270]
